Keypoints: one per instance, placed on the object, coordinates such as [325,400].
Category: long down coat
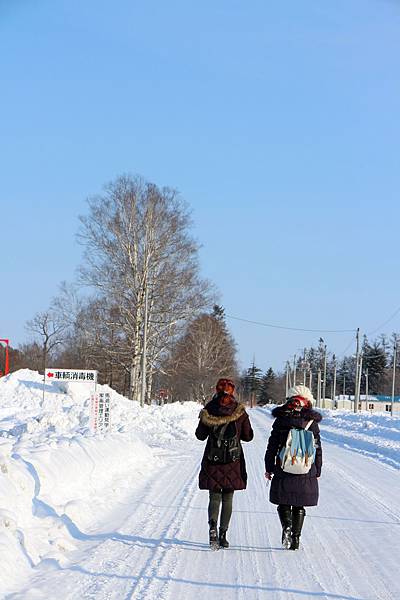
[230,476]
[286,488]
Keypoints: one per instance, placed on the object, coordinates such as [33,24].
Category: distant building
[374,403]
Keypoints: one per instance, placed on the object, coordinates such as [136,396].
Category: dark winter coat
[230,476]
[286,488]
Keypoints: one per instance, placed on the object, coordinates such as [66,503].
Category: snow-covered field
[119,515]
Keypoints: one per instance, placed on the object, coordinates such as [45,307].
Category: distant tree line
[259,387]
[377,362]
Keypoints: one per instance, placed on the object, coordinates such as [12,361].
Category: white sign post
[68,375]
[99,402]
[100,412]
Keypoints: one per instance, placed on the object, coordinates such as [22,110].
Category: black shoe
[285,516]
[298,516]
[295,542]
[213,535]
[223,542]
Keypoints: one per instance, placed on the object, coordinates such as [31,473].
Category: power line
[290,328]
[386,322]
[287,328]
[347,347]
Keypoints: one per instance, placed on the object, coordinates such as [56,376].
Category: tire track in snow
[256,471]
[330,569]
[150,582]
[365,492]
[360,509]
[122,566]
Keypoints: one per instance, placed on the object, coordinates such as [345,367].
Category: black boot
[285,515]
[213,535]
[297,523]
[223,542]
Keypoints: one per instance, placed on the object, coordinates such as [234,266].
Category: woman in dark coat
[292,492]
[224,418]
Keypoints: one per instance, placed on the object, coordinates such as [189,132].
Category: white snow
[375,435]
[119,515]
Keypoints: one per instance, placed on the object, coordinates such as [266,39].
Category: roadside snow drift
[55,475]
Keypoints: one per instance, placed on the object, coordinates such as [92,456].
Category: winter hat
[225,385]
[301,394]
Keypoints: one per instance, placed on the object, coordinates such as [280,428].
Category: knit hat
[225,385]
[302,393]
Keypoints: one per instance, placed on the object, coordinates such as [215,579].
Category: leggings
[213,507]
[295,509]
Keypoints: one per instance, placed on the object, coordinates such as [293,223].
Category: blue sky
[277,121]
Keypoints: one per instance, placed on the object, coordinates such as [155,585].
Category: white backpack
[298,454]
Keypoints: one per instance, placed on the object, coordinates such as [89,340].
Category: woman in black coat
[223,416]
[292,492]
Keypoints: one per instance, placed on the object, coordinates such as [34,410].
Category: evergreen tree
[346,376]
[312,359]
[374,359]
[268,388]
[251,382]
[218,312]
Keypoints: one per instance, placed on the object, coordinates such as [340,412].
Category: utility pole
[359,380]
[287,379]
[319,388]
[366,389]
[294,370]
[334,383]
[393,374]
[344,384]
[310,379]
[304,367]
[356,390]
[324,382]
[144,350]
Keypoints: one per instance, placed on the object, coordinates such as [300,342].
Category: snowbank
[376,435]
[56,476]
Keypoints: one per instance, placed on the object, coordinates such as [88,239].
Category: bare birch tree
[137,238]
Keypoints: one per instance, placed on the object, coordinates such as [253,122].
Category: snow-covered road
[154,545]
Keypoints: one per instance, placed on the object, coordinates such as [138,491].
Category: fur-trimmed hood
[215,420]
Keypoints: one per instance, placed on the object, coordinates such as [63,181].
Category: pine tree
[374,359]
[346,374]
[268,388]
[251,383]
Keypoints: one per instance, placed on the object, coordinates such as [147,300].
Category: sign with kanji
[70,375]
[100,412]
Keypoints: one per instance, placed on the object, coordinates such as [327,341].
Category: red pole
[7,364]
